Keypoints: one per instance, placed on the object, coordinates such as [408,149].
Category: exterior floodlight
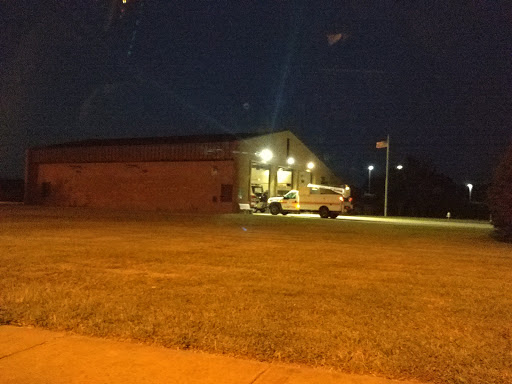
[371,167]
[311,165]
[290,161]
[399,167]
[266,155]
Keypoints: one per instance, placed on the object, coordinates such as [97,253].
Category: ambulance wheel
[333,215]
[284,213]
[275,209]
[324,212]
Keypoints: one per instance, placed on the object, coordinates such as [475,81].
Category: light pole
[370,169]
[470,187]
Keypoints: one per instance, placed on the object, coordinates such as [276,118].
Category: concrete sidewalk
[30,356]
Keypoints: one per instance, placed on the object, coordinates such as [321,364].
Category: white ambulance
[327,201]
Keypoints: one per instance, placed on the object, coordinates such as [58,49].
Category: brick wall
[188,186]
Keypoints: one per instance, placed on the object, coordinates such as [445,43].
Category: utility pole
[370,169]
[470,187]
[385,144]
[387,179]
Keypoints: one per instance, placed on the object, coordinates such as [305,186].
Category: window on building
[226,193]
[46,189]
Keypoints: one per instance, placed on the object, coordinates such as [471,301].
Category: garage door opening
[260,181]
[284,181]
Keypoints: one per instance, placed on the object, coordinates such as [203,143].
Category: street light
[370,169]
[399,167]
[470,187]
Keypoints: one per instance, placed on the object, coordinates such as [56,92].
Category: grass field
[426,303]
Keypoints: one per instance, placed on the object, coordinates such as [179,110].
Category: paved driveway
[396,220]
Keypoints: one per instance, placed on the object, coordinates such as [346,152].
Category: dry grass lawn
[425,303]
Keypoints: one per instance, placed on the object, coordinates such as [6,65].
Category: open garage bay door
[260,177]
[284,181]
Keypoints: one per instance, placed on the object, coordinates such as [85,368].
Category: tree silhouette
[419,190]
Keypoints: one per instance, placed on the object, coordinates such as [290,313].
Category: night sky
[435,76]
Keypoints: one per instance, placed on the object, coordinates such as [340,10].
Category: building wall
[187,186]
[179,177]
[282,149]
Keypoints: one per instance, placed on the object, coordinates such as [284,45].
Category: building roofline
[213,138]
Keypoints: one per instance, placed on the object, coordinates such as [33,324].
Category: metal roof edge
[179,139]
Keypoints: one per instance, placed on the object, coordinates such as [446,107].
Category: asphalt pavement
[454,223]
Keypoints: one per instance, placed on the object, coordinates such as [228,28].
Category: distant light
[370,168]
[470,187]
[290,161]
[124,1]
[399,167]
[311,165]
[266,155]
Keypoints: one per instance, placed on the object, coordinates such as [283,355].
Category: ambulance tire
[333,215]
[284,213]
[324,212]
[275,208]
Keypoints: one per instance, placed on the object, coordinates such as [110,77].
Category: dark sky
[435,76]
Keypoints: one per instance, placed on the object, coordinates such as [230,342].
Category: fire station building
[207,173]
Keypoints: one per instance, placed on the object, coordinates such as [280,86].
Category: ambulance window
[289,195]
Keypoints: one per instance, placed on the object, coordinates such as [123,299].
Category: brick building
[208,173]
